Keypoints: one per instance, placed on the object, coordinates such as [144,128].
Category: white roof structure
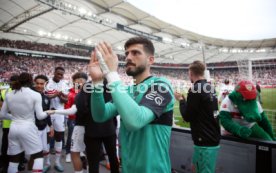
[90,21]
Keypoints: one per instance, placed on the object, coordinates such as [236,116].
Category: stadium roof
[90,21]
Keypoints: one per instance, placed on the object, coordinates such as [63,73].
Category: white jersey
[225,90]
[228,106]
[22,104]
[54,86]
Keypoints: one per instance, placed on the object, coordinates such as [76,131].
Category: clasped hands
[109,57]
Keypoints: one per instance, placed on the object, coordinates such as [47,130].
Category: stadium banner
[138,33]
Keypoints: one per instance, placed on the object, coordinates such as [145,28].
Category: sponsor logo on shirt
[154,96]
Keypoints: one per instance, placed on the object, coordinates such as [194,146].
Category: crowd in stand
[21,44]
[11,64]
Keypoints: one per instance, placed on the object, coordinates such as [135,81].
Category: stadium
[39,35]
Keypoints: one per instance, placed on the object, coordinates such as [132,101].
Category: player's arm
[182,102]
[133,115]
[63,97]
[228,123]
[136,116]
[38,107]
[187,106]
[4,112]
[70,111]
[100,110]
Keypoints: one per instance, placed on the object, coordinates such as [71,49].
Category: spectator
[199,111]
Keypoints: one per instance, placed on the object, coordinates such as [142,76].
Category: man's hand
[178,96]
[94,69]
[50,96]
[50,112]
[63,97]
[52,132]
[109,56]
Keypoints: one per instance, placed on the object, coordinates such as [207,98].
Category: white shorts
[24,137]
[43,137]
[77,142]
[58,122]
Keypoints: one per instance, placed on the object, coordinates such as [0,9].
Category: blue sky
[226,19]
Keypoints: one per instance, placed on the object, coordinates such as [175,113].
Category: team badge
[248,87]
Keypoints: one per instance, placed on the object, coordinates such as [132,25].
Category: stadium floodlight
[41,33]
[260,50]
[82,11]
[57,36]
[89,14]
[65,37]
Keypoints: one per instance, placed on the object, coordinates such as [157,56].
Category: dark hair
[59,68]
[13,78]
[147,44]
[197,68]
[43,77]
[24,80]
[79,75]
[226,81]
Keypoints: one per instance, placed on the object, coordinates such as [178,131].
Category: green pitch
[269,98]
[269,103]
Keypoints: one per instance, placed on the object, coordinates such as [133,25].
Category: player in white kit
[57,90]
[20,106]
[225,89]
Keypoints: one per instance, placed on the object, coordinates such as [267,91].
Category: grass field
[269,104]
[269,98]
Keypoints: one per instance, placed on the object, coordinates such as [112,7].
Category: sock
[46,155]
[38,165]
[58,148]
[13,167]
[117,148]
[82,154]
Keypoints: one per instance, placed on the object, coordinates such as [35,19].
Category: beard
[138,70]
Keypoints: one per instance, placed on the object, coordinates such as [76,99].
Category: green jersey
[146,112]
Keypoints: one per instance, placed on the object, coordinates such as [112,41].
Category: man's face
[39,85]
[58,75]
[137,60]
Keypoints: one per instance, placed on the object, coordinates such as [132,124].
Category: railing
[235,155]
